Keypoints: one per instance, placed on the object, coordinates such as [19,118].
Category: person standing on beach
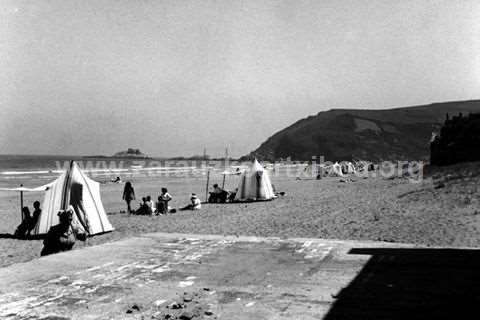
[62,236]
[128,195]
[36,214]
[164,198]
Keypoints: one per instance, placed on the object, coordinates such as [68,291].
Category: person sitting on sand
[218,195]
[128,195]
[143,208]
[62,236]
[23,227]
[277,193]
[117,180]
[217,189]
[163,199]
[150,209]
[36,214]
[232,194]
[195,205]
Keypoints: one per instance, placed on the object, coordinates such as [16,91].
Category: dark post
[21,202]
[208,181]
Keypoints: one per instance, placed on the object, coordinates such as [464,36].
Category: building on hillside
[458,140]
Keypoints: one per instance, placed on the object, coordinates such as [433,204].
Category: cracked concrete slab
[147,276]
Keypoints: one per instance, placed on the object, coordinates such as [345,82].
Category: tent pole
[21,202]
[206,190]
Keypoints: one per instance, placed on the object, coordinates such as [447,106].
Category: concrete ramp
[172,276]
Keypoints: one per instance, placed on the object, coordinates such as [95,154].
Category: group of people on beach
[220,195]
[60,237]
[149,208]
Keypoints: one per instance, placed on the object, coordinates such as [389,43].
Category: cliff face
[458,141]
[342,134]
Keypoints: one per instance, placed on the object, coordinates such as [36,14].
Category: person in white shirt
[195,205]
[150,205]
[163,199]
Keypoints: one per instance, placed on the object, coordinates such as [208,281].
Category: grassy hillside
[342,134]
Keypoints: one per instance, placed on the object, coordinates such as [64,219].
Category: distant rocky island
[130,153]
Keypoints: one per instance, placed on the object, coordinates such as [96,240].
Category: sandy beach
[442,210]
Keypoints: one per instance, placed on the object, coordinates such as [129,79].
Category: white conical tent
[255,184]
[74,188]
[335,170]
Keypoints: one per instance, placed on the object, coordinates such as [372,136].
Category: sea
[31,170]
[35,170]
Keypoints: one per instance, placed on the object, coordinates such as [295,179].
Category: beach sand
[442,210]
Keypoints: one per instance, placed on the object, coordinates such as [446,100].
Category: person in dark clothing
[143,208]
[22,228]
[218,195]
[128,195]
[231,195]
[36,214]
[62,237]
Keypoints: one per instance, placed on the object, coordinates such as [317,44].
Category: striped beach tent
[255,184]
[74,188]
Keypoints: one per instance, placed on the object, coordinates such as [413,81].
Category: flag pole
[21,202]
[208,181]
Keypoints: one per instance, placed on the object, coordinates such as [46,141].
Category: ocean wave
[12,173]
[104,170]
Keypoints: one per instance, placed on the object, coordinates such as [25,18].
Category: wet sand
[443,210]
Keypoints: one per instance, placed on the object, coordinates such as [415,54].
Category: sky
[174,77]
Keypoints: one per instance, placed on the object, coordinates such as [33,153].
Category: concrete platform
[175,276]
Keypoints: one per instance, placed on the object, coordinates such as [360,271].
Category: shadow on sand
[29,238]
[412,284]
[7,236]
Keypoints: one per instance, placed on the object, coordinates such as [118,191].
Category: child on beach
[145,208]
[36,214]
[163,199]
[158,205]
[128,195]
[150,207]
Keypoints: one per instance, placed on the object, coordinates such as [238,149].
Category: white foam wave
[102,170]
